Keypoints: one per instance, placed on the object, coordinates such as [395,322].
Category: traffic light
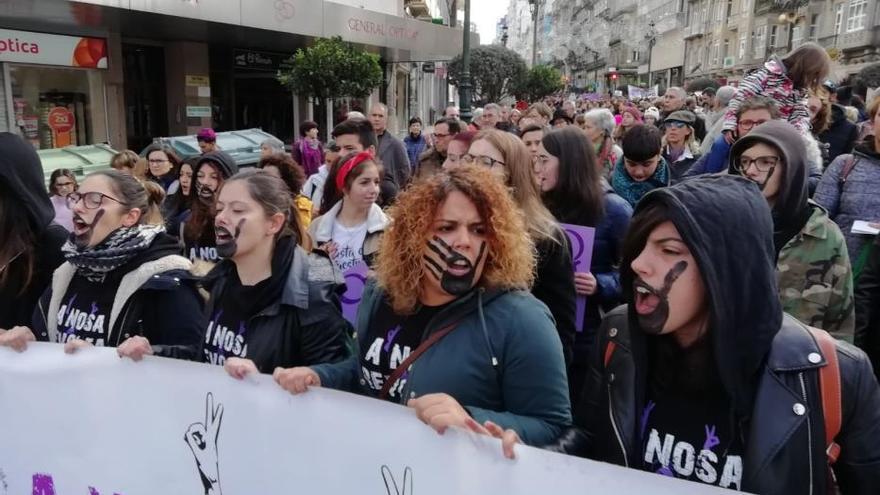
[614,76]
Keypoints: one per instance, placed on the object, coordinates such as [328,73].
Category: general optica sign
[382,29]
[52,49]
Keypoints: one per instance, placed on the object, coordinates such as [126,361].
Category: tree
[538,82]
[331,68]
[495,72]
[869,77]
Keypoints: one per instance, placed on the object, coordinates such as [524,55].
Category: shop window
[55,107]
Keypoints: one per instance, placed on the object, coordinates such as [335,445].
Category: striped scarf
[123,244]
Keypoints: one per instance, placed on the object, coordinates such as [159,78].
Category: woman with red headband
[351,223]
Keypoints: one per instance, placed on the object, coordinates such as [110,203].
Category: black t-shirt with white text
[390,340]
[226,334]
[85,309]
[692,438]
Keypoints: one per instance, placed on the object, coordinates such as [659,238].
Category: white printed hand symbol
[202,440]
[406,487]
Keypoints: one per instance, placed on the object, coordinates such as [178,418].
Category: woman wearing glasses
[509,159]
[123,284]
[812,266]
[61,183]
[163,167]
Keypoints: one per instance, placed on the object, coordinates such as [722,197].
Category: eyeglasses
[91,200]
[674,124]
[762,163]
[748,124]
[481,160]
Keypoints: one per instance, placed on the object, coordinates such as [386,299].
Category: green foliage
[539,81]
[331,68]
[495,73]
[870,76]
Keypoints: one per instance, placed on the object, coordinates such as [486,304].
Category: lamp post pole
[464,88]
[535,6]
[652,38]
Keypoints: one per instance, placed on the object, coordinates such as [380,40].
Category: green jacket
[815,277]
[503,362]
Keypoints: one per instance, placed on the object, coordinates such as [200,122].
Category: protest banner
[581,240]
[355,281]
[92,423]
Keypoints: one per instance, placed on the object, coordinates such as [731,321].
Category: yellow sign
[198,81]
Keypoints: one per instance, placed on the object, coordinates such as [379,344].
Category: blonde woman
[452,276]
[680,148]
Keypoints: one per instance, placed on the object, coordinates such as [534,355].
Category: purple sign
[581,239]
[355,280]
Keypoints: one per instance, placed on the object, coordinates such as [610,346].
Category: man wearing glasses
[431,160]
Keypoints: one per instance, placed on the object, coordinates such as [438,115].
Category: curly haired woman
[450,328]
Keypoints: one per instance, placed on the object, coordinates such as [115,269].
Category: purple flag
[581,240]
[355,280]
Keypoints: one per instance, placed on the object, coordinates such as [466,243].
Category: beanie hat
[207,135]
[652,112]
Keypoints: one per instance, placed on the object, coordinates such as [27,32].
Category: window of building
[855,19]
[797,36]
[746,6]
[814,26]
[838,18]
[760,41]
[719,11]
[729,7]
[715,49]
[742,45]
[774,35]
[726,51]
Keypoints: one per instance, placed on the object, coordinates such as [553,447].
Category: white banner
[52,49]
[94,423]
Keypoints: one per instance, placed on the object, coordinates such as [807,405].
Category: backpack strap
[404,366]
[848,167]
[829,386]
[609,351]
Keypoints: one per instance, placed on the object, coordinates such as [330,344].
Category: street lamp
[464,87]
[535,7]
[791,18]
[651,37]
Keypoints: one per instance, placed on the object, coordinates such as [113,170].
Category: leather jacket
[785,437]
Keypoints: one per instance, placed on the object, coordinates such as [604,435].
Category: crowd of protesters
[732,271]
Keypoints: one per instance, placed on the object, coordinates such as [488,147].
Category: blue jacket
[714,161]
[414,148]
[856,199]
[526,390]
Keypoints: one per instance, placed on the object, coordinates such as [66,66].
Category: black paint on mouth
[654,322]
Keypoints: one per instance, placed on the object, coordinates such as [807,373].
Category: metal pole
[464,89]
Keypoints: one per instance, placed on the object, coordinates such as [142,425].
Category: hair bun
[155,193]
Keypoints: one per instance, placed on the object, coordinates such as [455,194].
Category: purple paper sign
[581,239]
[355,280]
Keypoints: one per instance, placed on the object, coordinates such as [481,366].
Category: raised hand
[202,440]
[406,488]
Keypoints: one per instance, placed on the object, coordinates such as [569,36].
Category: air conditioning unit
[729,62]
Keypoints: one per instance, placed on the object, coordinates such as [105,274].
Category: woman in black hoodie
[212,169]
[702,377]
[272,304]
[31,244]
[123,284]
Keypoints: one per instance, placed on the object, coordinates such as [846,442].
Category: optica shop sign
[52,49]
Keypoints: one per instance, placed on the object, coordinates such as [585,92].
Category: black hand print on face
[227,243]
[453,284]
[653,322]
[82,240]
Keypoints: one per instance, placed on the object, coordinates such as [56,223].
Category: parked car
[243,145]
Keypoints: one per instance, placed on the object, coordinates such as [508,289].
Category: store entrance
[145,94]
[261,101]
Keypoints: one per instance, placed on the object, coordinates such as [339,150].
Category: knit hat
[207,135]
[632,111]
[652,112]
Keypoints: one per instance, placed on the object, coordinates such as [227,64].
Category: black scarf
[120,247]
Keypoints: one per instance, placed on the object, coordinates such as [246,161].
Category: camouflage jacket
[815,277]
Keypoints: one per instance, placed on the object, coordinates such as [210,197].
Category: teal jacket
[503,362]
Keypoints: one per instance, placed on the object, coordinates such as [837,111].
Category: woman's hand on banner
[74,345]
[239,368]
[439,411]
[584,283]
[296,380]
[135,348]
[509,438]
[17,338]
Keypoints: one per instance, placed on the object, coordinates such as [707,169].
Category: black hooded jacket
[791,210]
[768,364]
[21,184]
[840,137]
[157,298]
[223,160]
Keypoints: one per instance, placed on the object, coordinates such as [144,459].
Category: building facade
[124,72]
